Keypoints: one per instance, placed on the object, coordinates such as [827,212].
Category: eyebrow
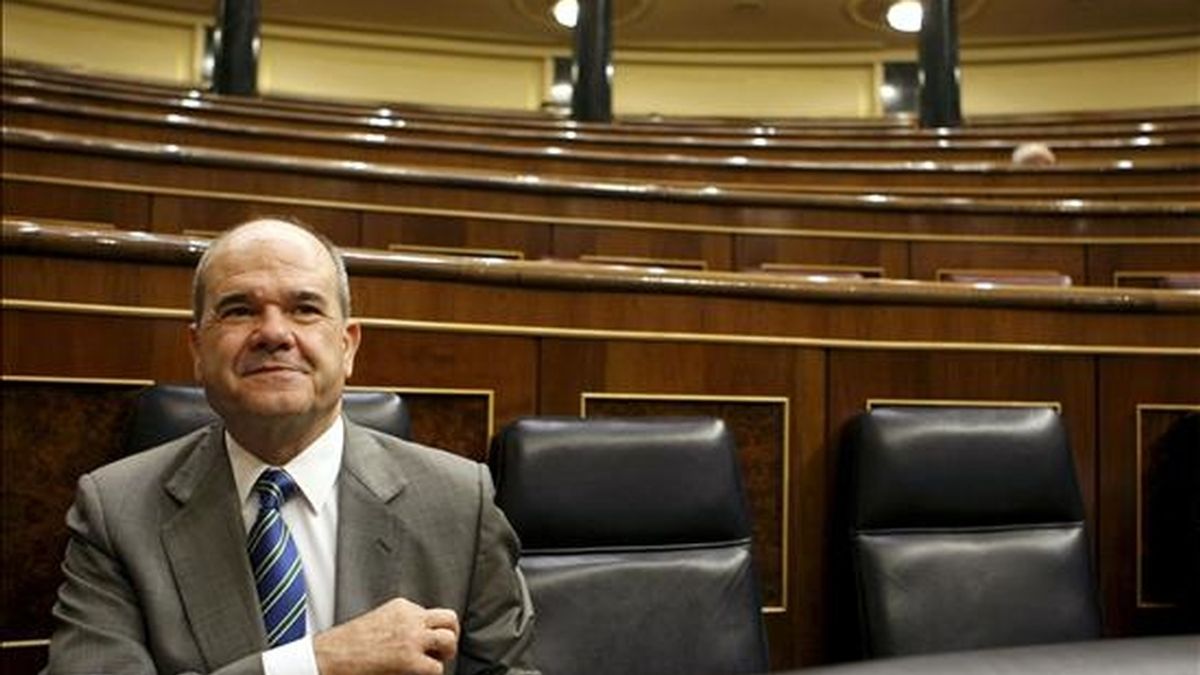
[309,296]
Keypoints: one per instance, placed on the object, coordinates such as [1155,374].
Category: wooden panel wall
[787,374]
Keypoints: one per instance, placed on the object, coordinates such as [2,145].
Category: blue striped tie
[276,562]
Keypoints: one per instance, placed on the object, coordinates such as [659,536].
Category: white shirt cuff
[294,658]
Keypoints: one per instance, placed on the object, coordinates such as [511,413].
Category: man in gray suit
[286,539]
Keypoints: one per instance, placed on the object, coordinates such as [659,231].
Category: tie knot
[274,486]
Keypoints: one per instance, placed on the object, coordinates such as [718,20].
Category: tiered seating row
[1107,142]
[1161,170]
[474,344]
[728,323]
[167,187]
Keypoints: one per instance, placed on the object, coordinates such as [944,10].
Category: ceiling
[733,24]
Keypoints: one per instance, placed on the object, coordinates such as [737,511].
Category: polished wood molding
[556,185]
[30,237]
[1125,154]
[850,233]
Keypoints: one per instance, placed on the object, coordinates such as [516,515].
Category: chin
[278,405]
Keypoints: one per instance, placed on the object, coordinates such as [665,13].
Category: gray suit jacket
[158,580]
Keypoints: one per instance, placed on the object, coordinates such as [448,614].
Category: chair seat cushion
[624,613]
[955,590]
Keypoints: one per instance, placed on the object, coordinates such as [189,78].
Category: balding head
[1033,154]
[262,230]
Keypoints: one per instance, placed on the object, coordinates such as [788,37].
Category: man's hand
[397,638]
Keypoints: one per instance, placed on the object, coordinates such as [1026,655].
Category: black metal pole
[591,96]
[235,70]
[940,106]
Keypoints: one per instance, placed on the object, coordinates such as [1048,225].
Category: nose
[274,330]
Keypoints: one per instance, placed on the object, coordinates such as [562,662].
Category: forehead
[277,255]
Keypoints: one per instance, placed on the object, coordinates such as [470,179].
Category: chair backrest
[636,544]
[966,530]
[166,411]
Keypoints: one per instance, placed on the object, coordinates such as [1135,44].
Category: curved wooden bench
[175,188]
[1115,169]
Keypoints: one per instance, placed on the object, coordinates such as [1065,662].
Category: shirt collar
[315,469]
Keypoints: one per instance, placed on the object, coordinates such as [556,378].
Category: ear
[351,337]
[194,348]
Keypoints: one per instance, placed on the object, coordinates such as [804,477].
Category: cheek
[323,349]
[220,352]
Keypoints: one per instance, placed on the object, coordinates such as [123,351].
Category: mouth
[273,369]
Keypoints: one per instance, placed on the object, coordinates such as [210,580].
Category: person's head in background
[1033,154]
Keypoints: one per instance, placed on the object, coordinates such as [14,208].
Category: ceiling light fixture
[566,12]
[905,16]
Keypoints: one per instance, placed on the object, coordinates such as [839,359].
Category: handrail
[647,149]
[30,237]
[625,189]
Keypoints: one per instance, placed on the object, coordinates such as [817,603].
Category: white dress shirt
[312,520]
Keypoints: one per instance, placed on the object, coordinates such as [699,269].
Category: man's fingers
[442,644]
[397,637]
[442,618]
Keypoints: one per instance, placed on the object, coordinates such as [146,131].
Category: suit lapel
[369,533]
[205,544]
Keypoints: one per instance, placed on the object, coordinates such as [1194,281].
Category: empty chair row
[148,118]
[1132,122]
[1131,168]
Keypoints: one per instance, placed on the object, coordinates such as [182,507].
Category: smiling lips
[273,367]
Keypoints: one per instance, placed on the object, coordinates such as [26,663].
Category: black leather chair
[966,530]
[166,411]
[636,545]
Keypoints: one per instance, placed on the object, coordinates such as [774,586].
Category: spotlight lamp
[905,16]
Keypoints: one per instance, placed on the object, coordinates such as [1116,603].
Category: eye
[234,312]
[308,309]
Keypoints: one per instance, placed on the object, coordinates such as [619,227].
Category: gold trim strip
[489,394]
[43,379]
[714,398]
[1049,240]
[1191,407]
[942,272]
[91,308]
[207,234]
[813,268]
[1118,275]
[24,644]
[637,261]
[522,330]
[66,222]
[1140,602]
[784,553]
[965,403]
[507,254]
